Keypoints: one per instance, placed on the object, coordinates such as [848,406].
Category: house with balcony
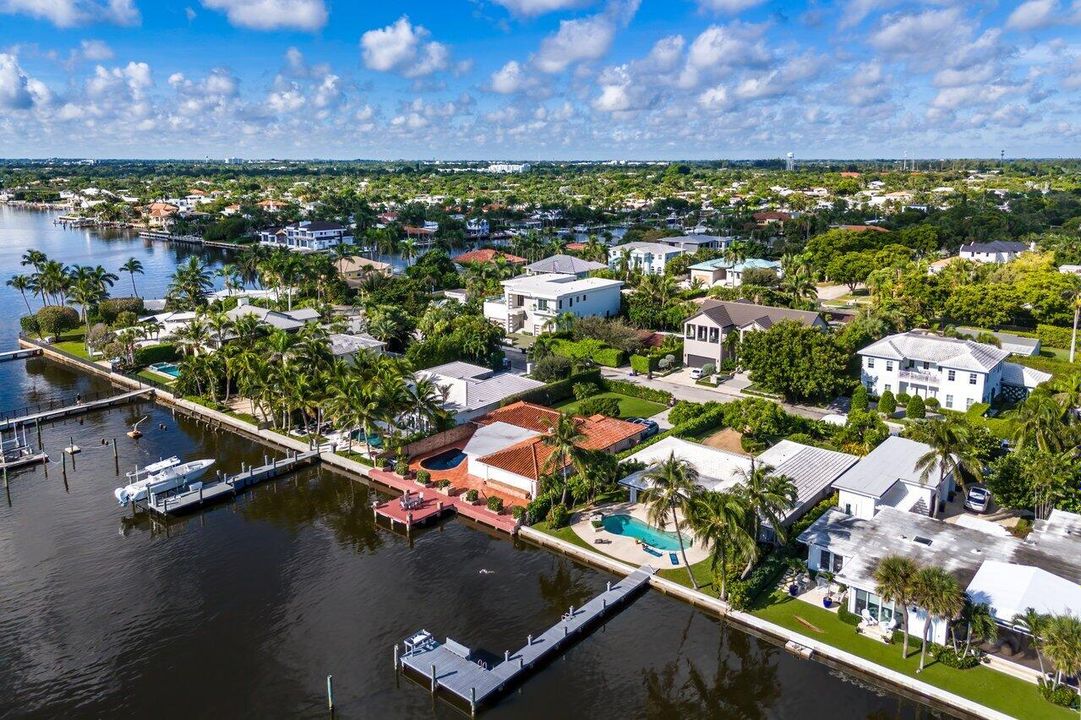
[307,236]
[695,242]
[708,334]
[648,258]
[530,303]
[725,273]
[958,373]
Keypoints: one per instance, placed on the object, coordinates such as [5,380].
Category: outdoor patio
[462,481]
[626,548]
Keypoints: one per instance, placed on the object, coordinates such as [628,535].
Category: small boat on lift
[165,476]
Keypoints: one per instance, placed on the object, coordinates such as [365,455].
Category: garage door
[698,361]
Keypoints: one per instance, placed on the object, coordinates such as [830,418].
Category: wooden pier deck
[19,354]
[452,667]
[428,509]
[223,488]
[76,409]
[477,513]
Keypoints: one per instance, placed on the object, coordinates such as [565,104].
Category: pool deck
[625,548]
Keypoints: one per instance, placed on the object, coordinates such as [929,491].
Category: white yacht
[169,476]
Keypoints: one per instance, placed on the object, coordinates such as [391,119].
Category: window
[972,378]
[830,561]
[690,332]
[570,303]
[888,387]
[542,304]
[926,365]
[889,366]
[949,401]
[968,403]
[714,335]
[870,362]
[848,508]
[874,605]
[951,375]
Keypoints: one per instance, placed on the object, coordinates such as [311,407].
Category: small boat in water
[163,477]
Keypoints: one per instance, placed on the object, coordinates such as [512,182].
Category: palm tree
[131,267]
[564,438]
[1062,645]
[941,597]
[221,325]
[800,286]
[671,488]
[342,252]
[722,521]
[1074,296]
[1033,624]
[35,259]
[190,283]
[408,248]
[1041,424]
[894,576]
[951,451]
[980,624]
[427,400]
[22,283]
[769,497]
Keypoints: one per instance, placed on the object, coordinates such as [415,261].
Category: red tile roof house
[488,255]
[508,454]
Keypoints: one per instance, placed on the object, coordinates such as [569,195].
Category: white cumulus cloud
[583,39]
[508,79]
[539,7]
[404,48]
[729,7]
[69,13]
[272,14]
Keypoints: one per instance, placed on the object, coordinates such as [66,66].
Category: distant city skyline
[540,79]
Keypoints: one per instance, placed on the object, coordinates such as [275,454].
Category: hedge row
[589,349]
[1054,336]
[557,392]
[166,352]
[639,391]
[714,418]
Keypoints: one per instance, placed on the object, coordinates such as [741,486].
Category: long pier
[452,667]
[19,354]
[226,487]
[76,409]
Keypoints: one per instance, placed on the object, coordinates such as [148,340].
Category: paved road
[700,393]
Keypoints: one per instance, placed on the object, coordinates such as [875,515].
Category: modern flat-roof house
[564,265]
[649,258]
[508,449]
[959,373]
[725,273]
[706,332]
[307,236]
[472,390]
[888,476]
[694,243]
[531,302]
[998,251]
[1007,573]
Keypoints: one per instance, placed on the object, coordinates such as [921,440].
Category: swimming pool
[635,528]
[443,461]
[170,369]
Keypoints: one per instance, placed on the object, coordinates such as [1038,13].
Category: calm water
[242,610]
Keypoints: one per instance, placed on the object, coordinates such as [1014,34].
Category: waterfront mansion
[959,373]
[308,235]
[531,303]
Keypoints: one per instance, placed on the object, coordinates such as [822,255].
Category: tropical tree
[952,450]
[1062,645]
[722,520]
[894,582]
[769,497]
[190,283]
[132,267]
[1034,625]
[671,488]
[979,622]
[941,597]
[564,437]
[1041,423]
[22,283]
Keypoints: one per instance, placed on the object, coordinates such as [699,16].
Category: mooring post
[72,446]
[37,424]
[433,678]
[529,640]
[521,662]
[64,465]
[609,586]
[395,657]
[564,630]
[330,693]
[604,603]
[506,656]
[472,702]
[5,478]
[116,458]
[46,463]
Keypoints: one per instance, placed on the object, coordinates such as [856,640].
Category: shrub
[109,310]
[599,406]
[708,369]
[517,512]
[903,398]
[401,466]
[685,410]
[583,390]
[1063,695]
[959,661]
[977,410]
[915,408]
[471,495]
[552,368]
[860,399]
[55,319]
[126,319]
[556,392]
[495,504]
[848,618]
[639,391]
[739,595]
[29,325]
[642,364]
[541,505]
[423,476]
[932,403]
[444,483]
[1054,336]
[165,352]
[559,516]
[1022,528]
[609,357]
[887,403]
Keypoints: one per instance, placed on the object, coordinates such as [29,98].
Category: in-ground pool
[170,369]
[635,528]
[443,461]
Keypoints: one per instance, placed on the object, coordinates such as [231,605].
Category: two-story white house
[706,333]
[998,251]
[649,258]
[890,476]
[530,303]
[307,236]
[958,373]
[725,273]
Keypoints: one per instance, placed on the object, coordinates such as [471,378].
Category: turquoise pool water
[170,369]
[635,528]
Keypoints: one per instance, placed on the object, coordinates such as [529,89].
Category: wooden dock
[76,409]
[476,513]
[19,354]
[456,669]
[399,511]
[221,488]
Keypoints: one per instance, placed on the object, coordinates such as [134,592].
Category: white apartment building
[959,373]
[648,258]
[307,236]
[531,302]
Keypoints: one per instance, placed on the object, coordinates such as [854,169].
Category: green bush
[110,309]
[1063,695]
[495,504]
[55,319]
[932,403]
[642,364]
[517,512]
[444,483]
[708,369]
[609,357]
[903,398]
[639,391]
[887,403]
[848,618]
[599,406]
[29,325]
[977,410]
[915,409]
[552,368]
[401,466]
[556,392]
[126,319]
[583,390]
[950,658]
[165,352]
[541,505]
[423,476]
[739,594]
[1054,336]
[710,420]
[471,495]
[559,516]
[860,399]
[685,411]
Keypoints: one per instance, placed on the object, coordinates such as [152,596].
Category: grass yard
[989,687]
[72,342]
[628,406]
[1052,361]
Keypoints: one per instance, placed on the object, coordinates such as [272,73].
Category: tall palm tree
[941,597]
[722,521]
[979,623]
[671,488]
[426,399]
[769,497]
[190,283]
[132,267]
[1033,624]
[1062,645]
[799,286]
[1041,423]
[564,438]
[951,451]
[34,258]
[22,283]
[408,248]
[894,577]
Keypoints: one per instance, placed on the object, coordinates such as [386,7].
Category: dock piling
[433,678]
[395,657]
[472,702]
[116,458]
[72,446]
[64,465]
[330,693]
[37,425]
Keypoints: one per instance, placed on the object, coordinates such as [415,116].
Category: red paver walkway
[479,513]
[429,508]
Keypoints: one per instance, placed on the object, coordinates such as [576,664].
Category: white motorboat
[152,469]
[169,478]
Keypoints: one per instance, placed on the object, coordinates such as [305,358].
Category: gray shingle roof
[564,264]
[742,314]
[892,461]
[948,352]
[995,247]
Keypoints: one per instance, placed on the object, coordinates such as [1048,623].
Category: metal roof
[944,351]
[812,469]
[564,264]
[891,462]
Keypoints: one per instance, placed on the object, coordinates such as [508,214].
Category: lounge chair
[651,551]
[674,558]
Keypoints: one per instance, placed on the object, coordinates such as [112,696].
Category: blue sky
[540,79]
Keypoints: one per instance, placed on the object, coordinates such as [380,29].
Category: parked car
[696,373]
[978,499]
[652,428]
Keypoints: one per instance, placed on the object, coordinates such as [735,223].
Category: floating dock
[19,354]
[454,668]
[76,409]
[199,494]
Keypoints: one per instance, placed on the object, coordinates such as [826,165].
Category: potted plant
[401,466]
[471,496]
[423,478]
[443,486]
[827,601]
[495,504]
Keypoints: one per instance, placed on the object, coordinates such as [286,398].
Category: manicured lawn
[72,342]
[628,406]
[564,533]
[703,575]
[153,377]
[996,690]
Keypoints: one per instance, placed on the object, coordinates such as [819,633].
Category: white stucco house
[959,373]
[649,258]
[888,476]
[998,251]
[470,391]
[531,302]
[308,235]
